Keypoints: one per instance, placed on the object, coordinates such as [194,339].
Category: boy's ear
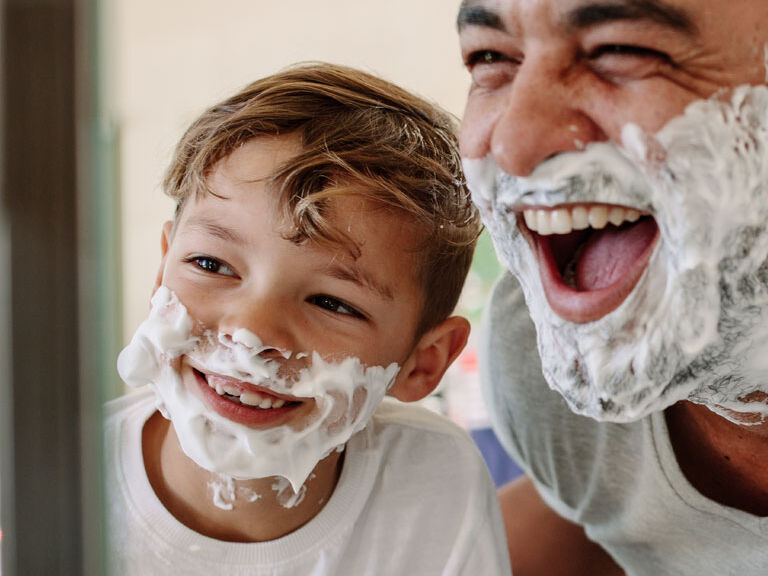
[430,358]
[165,242]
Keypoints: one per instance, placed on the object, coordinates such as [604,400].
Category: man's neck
[724,461]
[255,510]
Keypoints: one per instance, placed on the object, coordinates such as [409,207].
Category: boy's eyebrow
[215,229]
[655,11]
[357,276]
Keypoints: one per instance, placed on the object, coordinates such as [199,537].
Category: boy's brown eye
[208,264]
[334,305]
[212,265]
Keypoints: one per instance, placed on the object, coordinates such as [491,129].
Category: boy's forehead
[357,228]
[256,159]
[361,216]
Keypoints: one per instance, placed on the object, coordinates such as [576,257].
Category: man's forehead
[502,14]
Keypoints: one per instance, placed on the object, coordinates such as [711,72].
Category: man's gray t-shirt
[621,481]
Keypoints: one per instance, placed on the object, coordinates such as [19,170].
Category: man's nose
[541,118]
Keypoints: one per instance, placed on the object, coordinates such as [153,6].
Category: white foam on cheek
[345,395]
[164,337]
[695,325]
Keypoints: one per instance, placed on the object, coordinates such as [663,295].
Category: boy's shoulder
[427,484]
[135,406]
[392,412]
[422,438]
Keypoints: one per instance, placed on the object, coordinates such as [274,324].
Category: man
[618,151]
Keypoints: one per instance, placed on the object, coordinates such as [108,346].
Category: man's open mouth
[590,256]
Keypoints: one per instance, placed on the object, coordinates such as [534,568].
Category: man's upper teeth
[567,219]
[250,398]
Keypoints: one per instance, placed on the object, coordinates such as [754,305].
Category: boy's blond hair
[360,135]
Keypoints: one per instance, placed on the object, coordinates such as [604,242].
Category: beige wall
[170,59]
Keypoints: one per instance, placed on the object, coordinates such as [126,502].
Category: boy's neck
[260,510]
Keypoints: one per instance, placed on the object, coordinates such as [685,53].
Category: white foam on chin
[345,393]
[225,492]
[696,325]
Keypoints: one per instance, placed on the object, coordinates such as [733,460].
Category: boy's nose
[266,317]
[540,119]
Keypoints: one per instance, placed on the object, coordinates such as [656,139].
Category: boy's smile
[229,264]
[246,403]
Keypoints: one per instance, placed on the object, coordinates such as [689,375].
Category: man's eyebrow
[471,14]
[655,11]
[357,276]
[208,226]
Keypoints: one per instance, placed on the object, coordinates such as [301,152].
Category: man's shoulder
[509,356]
[523,409]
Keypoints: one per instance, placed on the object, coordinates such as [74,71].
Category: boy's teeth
[566,220]
[263,402]
[222,389]
[250,398]
[231,391]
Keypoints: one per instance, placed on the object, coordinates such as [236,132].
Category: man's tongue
[611,253]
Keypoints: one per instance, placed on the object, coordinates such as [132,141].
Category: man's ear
[430,358]
[165,242]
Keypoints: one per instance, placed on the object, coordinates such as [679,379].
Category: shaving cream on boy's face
[694,324]
[235,407]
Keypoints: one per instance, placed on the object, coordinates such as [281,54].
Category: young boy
[321,239]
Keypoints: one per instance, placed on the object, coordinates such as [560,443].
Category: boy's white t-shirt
[414,498]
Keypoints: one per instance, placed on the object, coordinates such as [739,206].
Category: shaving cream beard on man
[344,394]
[695,326]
